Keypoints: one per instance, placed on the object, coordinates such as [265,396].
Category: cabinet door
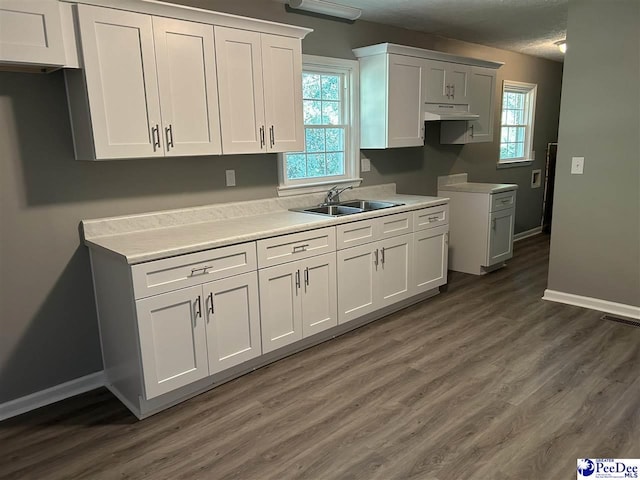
[233,321]
[173,343]
[188,87]
[396,269]
[436,82]
[405,101]
[357,281]
[280,306]
[239,66]
[120,70]
[319,302]
[482,87]
[500,236]
[282,80]
[430,255]
[457,78]
[31,32]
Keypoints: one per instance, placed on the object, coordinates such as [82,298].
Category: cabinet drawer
[183,271]
[501,201]
[394,225]
[287,248]
[430,217]
[355,233]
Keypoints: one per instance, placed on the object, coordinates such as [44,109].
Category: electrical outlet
[536,178]
[577,165]
[231,178]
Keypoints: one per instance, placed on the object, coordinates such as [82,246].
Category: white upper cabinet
[31,32]
[260,84]
[185,57]
[446,82]
[482,87]
[399,85]
[150,84]
[121,83]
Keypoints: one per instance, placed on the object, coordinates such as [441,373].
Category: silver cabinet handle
[382,256]
[272,135]
[433,219]
[262,136]
[210,300]
[453,91]
[168,133]
[306,277]
[472,129]
[376,257]
[198,307]
[200,269]
[155,137]
[297,281]
[300,248]
[505,200]
[448,90]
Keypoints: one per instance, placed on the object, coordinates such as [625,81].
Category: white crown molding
[591,303]
[51,395]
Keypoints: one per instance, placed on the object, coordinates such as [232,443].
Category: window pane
[515,117]
[316,165]
[331,113]
[519,150]
[512,134]
[504,153]
[296,165]
[520,134]
[312,112]
[331,87]
[314,139]
[504,135]
[311,86]
[334,139]
[335,163]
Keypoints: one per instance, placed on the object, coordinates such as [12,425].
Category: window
[516,129]
[329,92]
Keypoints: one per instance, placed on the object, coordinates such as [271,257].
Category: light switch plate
[365,164]
[577,165]
[231,178]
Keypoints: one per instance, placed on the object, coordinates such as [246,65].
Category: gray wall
[595,238]
[48,331]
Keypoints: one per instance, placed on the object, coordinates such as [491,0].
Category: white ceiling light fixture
[562,45]
[326,8]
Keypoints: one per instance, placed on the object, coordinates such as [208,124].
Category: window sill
[289,190]
[516,163]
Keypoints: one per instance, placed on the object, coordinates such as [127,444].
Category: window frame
[530,90]
[350,70]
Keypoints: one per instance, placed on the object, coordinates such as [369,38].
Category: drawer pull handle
[198,307]
[297,281]
[300,248]
[306,278]
[200,269]
[382,256]
[433,219]
[210,298]
[376,258]
[506,200]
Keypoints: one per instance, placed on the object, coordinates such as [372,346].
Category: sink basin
[331,210]
[368,205]
[347,208]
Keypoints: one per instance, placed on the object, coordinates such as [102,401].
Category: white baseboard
[527,233]
[51,395]
[621,309]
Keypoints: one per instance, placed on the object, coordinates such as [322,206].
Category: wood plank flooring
[485,381]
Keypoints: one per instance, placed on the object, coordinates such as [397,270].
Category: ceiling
[525,26]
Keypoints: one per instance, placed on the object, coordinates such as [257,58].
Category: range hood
[444,111]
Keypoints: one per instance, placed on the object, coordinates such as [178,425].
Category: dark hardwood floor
[485,381]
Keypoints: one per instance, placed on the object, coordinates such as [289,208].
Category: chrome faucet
[333,195]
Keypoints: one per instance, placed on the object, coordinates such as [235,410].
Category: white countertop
[164,234]
[472,187]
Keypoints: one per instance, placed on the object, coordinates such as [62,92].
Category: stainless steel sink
[331,210]
[368,205]
[348,207]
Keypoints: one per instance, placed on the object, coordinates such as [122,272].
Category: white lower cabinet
[373,276]
[188,334]
[500,247]
[173,341]
[233,321]
[297,300]
[430,249]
